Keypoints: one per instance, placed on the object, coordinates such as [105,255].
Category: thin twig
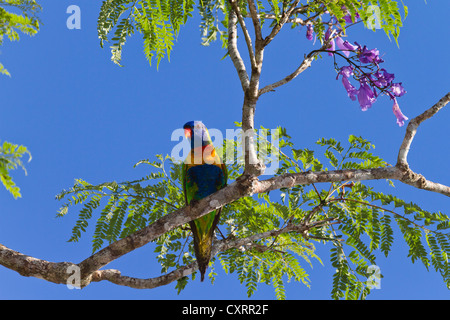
[284,18]
[247,37]
[234,52]
[382,209]
[306,63]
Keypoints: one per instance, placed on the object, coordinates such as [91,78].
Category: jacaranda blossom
[371,78]
[351,90]
[366,96]
[345,46]
[397,89]
[332,45]
[348,17]
[347,72]
[401,118]
[369,56]
[309,32]
[383,78]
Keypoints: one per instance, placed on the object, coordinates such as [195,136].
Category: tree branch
[247,37]
[410,177]
[284,18]
[398,172]
[246,243]
[253,166]
[298,10]
[116,277]
[32,267]
[290,180]
[256,22]
[411,130]
[306,63]
[234,52]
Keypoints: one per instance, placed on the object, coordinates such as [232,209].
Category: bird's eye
[187,133]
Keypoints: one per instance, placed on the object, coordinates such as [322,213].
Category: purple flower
[366,96]
[347,72]
[369,56]
[351,90]
[401,118]
[331,46]
[309,32]
[348,17]
[397,89]
[383,79]
[345,46]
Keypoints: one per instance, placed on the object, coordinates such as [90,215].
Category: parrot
[203,173]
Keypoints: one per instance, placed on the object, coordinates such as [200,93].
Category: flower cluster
[364,67]
[373,80]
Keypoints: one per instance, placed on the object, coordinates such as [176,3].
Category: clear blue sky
[81,116]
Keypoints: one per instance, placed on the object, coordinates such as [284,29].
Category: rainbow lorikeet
[203,174]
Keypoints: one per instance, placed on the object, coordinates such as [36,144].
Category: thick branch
[32,267]
[247,243]
[253,166]
[116,277]
[303,178]
[398,172]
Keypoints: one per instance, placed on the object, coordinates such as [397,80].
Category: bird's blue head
[197,134]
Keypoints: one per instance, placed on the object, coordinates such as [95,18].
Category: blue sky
[81,116]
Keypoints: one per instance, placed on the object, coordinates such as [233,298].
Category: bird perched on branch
[203,174]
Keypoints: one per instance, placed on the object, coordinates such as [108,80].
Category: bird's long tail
[203,232]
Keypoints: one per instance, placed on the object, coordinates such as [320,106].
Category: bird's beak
[187,133]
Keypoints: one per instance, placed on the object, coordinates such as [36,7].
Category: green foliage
[214,20]
[127,206]
[353,219]
[17,16]
[159,21]
[386,13]
[365,219]
[11,158]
